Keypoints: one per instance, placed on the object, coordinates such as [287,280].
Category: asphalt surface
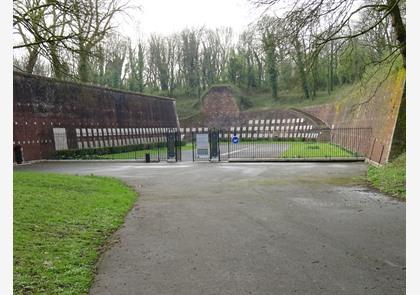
[252,150]
[245,150]
[277,228]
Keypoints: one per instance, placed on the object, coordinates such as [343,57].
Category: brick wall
[41,104]
[371,111]
[374,107]
[221,111]
[219,107]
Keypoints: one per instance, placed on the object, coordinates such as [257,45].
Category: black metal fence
[222,145]
[316,143]
[157,147]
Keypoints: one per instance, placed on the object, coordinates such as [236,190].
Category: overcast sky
[169,16]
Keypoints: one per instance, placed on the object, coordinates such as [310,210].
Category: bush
[390,178]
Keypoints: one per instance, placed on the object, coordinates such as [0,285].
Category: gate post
[214,145]
[218,144]
[178,146]
[171,153]
[193,146]
[228,142]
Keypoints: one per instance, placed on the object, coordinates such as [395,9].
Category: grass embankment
[60,224]
[389,178]
[141,154]
[249,100]
[256,101]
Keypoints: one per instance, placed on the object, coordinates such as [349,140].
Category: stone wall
[45,109]
[374,107]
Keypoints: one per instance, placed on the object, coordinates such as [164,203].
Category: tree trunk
[398,25]
[330,70]
[55,62]
[32,59]
[301,68]
[83,67]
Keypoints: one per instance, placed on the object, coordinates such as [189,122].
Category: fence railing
[313,143]
[151,148]
[267,144]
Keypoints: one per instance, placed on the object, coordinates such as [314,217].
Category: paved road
[279,228]
[246,150]
[253,150]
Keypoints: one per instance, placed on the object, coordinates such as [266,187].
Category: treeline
[275,55]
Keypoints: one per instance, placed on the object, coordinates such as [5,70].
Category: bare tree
[91,21]
[52,28]
[336,18]
[28,16]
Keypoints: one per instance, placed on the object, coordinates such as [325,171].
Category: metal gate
[174,146]
[309,145]
[205,146]
[314,144]
[225,145]
[153,147]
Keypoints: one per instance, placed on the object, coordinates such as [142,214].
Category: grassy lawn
[141,154]
[295,149]
[314,150]
[60,224]
[389,178]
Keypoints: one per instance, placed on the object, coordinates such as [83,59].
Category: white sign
[202,145]
[60,139]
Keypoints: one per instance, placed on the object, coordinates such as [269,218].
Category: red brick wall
[220,110]
[219,107]
[373,108]
[41,104]
[372,113]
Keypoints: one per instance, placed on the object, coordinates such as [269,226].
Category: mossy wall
[375,105]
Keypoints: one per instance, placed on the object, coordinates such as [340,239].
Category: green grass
[249,100]
[314,150]
[140,154]
[292,99]
[61,222]
[299,149]
[187,106]
[389,178]
[296,149]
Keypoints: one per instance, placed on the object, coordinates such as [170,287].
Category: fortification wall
[82,115]
[219,107]
[373,107]
[369,112]
[221,111]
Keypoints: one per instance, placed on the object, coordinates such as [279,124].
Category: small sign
[235,139]
[202,145]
